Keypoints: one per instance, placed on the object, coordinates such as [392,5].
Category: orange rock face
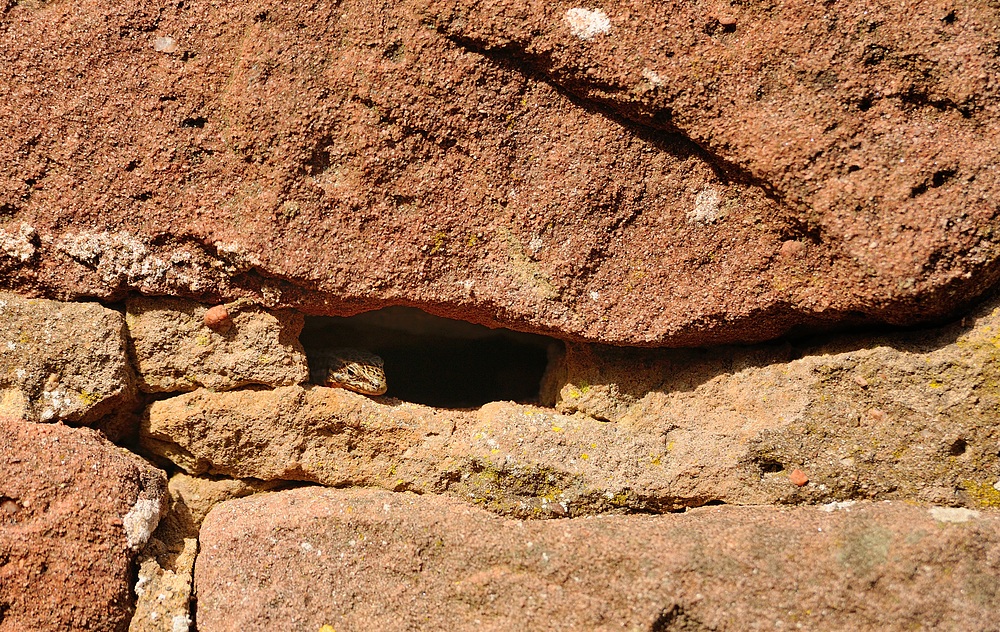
[74,508]
[435,563]
[631,175]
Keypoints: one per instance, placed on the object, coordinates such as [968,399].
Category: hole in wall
[958,447]
[771,467]
[438,361]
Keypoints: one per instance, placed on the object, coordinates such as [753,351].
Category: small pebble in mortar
[218,319]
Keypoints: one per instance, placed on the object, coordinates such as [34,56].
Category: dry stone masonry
[704,223]
[906,418]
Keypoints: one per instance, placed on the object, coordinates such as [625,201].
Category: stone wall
[713,227]
[876,442]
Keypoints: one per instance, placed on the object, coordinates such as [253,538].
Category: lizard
[354,369]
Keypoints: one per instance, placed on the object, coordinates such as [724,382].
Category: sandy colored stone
[193,497]
[163,596]
[176,351]
[367,560]
[62,361]
[76,510]
[630,177]
[910,416]
[165,582]
[905,415]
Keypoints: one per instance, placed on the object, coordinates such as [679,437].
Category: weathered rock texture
[73,511]
[62,361]
[366,560]
[163,595]
[165,582]
[908,416]
[648,173]
[176,351]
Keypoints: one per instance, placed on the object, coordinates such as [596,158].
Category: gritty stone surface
[526,159]
[163,595]
[65,554]
[165,583]
[17,245]
[175,350]
[366,560]
[62,361]
[908,416]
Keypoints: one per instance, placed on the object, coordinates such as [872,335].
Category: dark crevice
[438,361]
[922,99]
[937,179]
[196,121]
[675,619]
[319,159]
[770,467]
[958,447]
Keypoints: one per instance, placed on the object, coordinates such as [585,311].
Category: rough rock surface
[163,595]
[642,173]
[62,361]
[165,583]
[366,560]
[903,416]
[73,511]
[176,351]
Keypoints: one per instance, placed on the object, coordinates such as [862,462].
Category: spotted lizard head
[355,370]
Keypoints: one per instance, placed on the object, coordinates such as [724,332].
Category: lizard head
[356,370]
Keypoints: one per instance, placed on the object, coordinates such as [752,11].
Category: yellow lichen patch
[89,398]
[620,499]
[440,241]
[983,494]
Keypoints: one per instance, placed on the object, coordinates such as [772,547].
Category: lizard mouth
[363,389]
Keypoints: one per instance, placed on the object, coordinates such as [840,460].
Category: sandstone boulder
[637,174]
[175,350]
[367,560]
[62,361]
[74,509]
